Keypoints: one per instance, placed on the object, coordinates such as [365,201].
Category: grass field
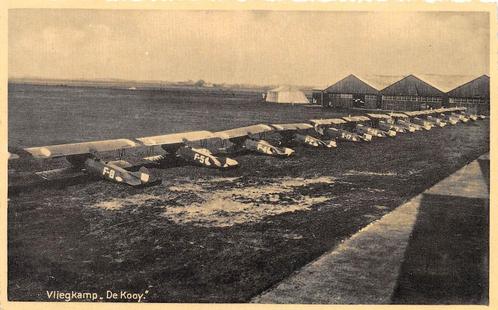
[43,115]
[203,235]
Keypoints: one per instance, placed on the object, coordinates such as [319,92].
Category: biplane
[195,147]
[333,129]
[362,126]
[416,119]
[444,114]
[301,133]
[463,111]
[385,123]
[472,117]
[432,116]
[251,138]
[427,117]
[403,120]
[458,113]
[84,156]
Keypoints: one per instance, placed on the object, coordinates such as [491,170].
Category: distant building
[411,94]
[286,94]
[348,93]
[473,95]
[317,96]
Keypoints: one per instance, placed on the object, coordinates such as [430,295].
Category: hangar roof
[477,88]
[412,86]
[351,85]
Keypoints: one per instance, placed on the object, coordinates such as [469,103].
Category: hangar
[473,95]
[411,94]
[350,92]
[286,94]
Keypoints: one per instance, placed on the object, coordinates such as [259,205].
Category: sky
[253,47]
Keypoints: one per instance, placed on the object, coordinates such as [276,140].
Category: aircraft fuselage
[115,173]
[461,117]
[363,129]
[408,125]
[423,123]
[263,147]
[386,126]
[450,119]
[437,121]
[204,157]
[341,134]
[313,142]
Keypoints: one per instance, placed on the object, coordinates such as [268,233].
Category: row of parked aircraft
[209,149]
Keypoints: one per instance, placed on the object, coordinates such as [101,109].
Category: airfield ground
[205,235]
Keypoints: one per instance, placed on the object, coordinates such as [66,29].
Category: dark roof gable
[351,85]
[477,88]
[412,86]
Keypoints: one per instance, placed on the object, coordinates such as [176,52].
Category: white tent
[286,94]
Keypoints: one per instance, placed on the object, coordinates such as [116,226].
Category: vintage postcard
[266,154]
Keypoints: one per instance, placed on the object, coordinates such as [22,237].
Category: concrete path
[365,268]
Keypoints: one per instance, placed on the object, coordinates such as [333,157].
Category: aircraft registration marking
[202,159]
[110,172]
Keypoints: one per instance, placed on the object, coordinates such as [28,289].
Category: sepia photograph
[257,156]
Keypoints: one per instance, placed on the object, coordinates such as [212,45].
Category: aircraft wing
[456,109]
[378,116]
[412,113]
[62,150]
[293,126]
[394,114]
[356,118]
[330,121]
[175,138]
[244,131]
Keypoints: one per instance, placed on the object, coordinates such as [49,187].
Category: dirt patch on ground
[235,203]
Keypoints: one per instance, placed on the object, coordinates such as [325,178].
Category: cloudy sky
[258,47]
